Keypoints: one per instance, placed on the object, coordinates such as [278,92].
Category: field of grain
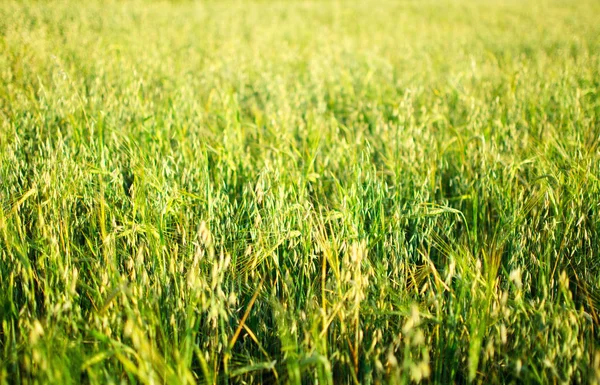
[302,192]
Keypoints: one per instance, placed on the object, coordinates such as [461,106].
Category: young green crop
[299,192]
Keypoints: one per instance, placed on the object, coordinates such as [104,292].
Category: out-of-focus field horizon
[299,192]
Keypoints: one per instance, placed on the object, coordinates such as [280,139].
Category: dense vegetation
[300,192]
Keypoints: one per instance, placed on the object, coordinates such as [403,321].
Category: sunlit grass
[299,192]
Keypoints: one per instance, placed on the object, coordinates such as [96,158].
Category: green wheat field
[300,192]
